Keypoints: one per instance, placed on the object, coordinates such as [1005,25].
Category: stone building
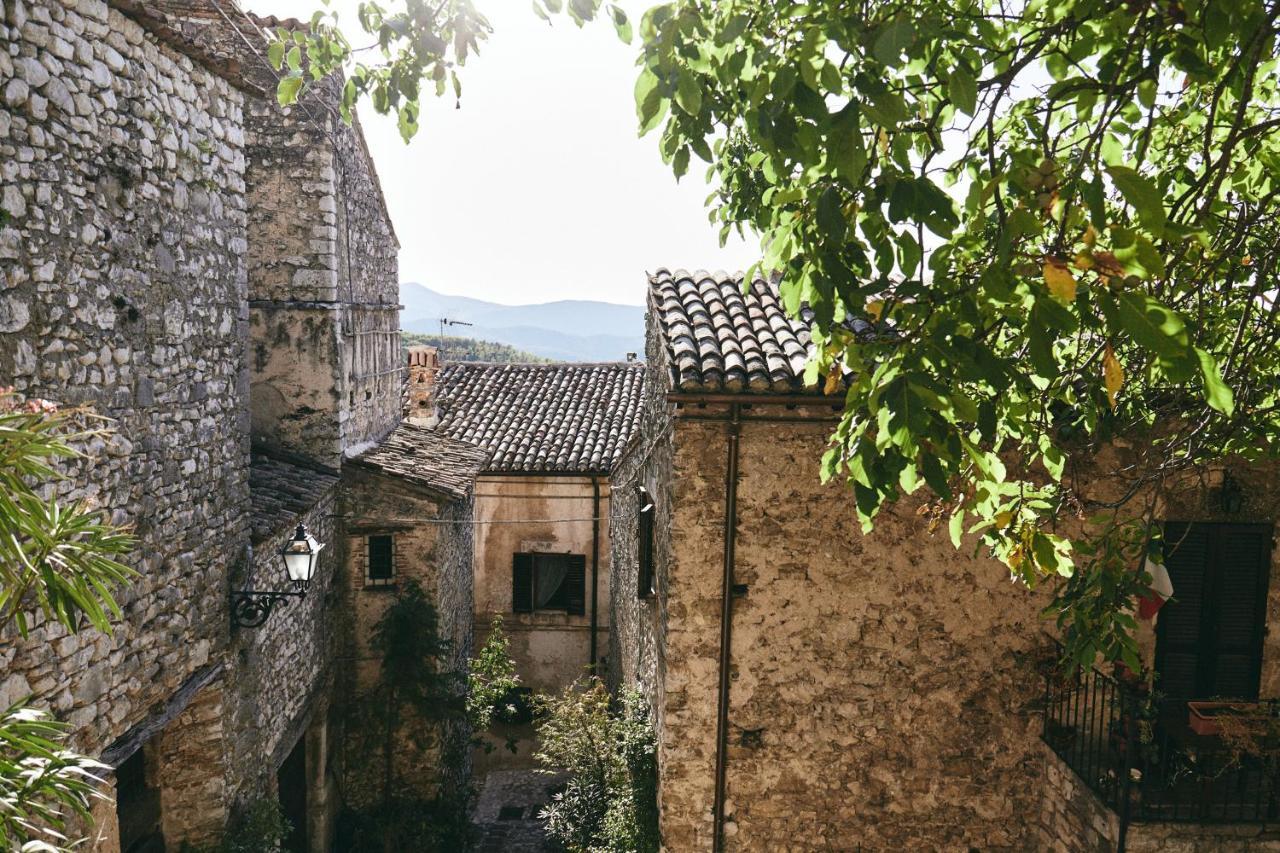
[407,511]
[541,502]
[818,689]
[177,253]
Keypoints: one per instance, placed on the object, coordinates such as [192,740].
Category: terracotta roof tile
[720,339]
[427,457]
[543,417]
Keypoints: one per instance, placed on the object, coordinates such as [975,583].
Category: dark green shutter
[576,582]
[522,583]
[1209,636]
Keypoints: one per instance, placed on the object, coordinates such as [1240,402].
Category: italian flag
[1159,592]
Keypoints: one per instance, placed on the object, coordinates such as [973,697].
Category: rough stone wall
[283,667]
[636,653]
[322,259]
[432,545]
[1073,820]
[122,286]
[540,514]
[879,683]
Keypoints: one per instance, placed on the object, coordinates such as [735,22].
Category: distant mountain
[568,330]
[469,349]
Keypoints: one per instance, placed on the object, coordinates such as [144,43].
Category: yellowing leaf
[1090,236]
[1084,260]
[875,308]
[1003,518]
[1060,281]
[1112,375]
[833,381]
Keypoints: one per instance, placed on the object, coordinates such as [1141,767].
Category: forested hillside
[469,349]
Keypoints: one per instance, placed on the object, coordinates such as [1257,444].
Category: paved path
[506,813]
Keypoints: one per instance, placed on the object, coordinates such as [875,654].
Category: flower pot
[1203,717]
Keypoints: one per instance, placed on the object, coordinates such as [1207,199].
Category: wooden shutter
[644,535]
[1209,637]
[1242,563]
[522,583]
[576,583]
[1178,645]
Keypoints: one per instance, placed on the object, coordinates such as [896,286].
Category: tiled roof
[719,339]
[281,492]
[427,457]
[543,417]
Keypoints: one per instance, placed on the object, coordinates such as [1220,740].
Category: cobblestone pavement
[506,813]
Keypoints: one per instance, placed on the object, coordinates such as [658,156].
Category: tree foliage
[471,349]
[1023,231]
[56,560]
[609,804]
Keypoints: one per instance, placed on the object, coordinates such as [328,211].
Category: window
[1209,635]
[382,562]
[644,536]
[549,582]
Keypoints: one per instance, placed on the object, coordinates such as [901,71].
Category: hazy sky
[538,188]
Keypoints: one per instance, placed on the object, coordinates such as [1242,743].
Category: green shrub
[609,749]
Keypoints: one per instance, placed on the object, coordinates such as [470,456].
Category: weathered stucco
[540,514]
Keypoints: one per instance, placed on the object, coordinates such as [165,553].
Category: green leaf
[831,215]
[621,23]
[1152,325]
[894,39]
[287,90]
[1137,254]
[688,94]
[294,58]
[1216,392]
[963,90]
[275,54]
[1142,194]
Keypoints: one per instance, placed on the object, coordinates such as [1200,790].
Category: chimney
[424,367]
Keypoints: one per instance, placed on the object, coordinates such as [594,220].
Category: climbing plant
[57,560]
[414,710]
[1021,233]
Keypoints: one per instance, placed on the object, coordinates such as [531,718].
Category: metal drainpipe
[726,626]
[595,566]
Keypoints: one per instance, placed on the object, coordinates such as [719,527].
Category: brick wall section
[436,555]
[122,286]
[193,804]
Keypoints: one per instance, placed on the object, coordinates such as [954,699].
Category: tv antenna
[445,321]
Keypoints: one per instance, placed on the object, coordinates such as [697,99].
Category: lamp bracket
[251,607]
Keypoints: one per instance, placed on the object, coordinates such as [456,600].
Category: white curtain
[548,575]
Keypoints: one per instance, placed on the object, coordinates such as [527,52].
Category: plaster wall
[540,514]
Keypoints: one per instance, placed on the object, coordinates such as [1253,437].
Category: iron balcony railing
[1144,762]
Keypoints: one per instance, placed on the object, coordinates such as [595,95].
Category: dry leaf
[1084,260]
[1112,374]
[1061,283]
[1090,236]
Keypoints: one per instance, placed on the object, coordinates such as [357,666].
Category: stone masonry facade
[180,255]
[124,288]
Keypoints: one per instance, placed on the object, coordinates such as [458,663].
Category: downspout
[726,625]
[595,567]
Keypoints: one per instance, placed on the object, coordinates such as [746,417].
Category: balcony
[1143,761]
